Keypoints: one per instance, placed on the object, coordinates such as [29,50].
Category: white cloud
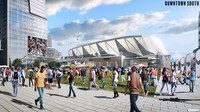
[103,28]
[54,6]
[180,26]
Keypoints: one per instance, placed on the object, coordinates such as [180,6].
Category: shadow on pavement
[23,103]
[104,97]
[83,88]
[20,85]
[57,95]
[183,92]
[178,100]
[6,93]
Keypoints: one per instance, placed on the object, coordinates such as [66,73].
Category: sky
[75,22]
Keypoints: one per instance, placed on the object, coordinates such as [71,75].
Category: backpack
[15,76]
[123,72]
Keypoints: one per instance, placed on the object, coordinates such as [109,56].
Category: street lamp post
[122,59]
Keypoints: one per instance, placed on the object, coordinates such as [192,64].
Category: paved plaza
[56,100]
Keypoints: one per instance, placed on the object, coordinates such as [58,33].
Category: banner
[197,56]
[188,63]
[182,64]
[37,47]
[177,65]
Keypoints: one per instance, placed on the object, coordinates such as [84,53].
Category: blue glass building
[19,21]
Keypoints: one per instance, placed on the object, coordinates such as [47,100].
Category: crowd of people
[135,78]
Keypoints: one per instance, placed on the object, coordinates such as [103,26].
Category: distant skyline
[75,22]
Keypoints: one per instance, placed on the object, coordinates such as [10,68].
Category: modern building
[49,41]
[123,51]
[0,45]
[23,29]
[53,53]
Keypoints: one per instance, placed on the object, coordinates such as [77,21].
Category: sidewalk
[182,93]
[88,101]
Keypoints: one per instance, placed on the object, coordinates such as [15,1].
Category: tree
[54,63]
[17,62]
[36,63]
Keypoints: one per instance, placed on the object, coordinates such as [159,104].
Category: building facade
[122,51]
[23,29]
[49,41]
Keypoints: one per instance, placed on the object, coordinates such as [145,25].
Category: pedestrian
[39,85]
[192,79]
[7,71]
[134,84]
[173,82]
[102,76]
[3,76]
[23,76]
[123,72]
[83,74]
[145,78]
[71,76]
[114,78]
[58,77]
[153,77]
[165,80]
[15,78]
[54,78]
[31,74]
[92,79]
[50,77]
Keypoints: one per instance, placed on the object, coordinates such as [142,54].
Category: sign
[182,63]
[188,59]
[197,57]
[177,65]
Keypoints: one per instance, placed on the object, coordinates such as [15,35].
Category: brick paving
[56,100]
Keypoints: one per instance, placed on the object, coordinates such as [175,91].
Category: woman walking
[164,80]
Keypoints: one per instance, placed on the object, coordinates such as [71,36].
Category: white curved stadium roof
[134,46]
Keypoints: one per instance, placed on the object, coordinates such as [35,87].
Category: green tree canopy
[17,62]
[37,63]
[54,63]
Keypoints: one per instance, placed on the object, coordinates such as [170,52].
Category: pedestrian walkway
[56,100]
[183,95]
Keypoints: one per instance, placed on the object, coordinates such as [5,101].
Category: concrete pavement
[182,93]
[89,101]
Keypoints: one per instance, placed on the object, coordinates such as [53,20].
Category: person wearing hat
[39,85]
[134,84]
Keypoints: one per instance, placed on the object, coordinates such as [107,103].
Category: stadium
[122,51]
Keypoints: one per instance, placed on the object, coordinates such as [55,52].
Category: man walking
[145,77]
[114,82]
[192,79]
[50,77]
[134,84]
[92,79]
[39,85]
[31,74]
[83,74]
[4,77]
[15,78]
[23,76]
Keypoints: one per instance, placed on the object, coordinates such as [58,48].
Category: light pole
[122,59]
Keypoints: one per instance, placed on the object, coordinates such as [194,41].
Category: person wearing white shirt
[114,82]
[173,82]
[58,77]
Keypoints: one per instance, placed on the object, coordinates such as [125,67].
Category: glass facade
[22,23]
